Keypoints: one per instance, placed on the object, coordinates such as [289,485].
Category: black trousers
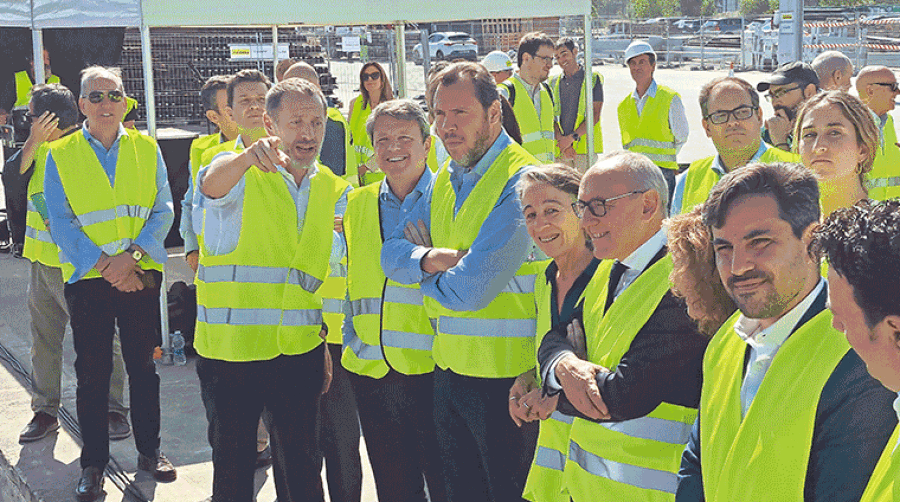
[670,175]
[339,435]
[485,456]
[234,394]
[397,420]
[15,191]
[95,308]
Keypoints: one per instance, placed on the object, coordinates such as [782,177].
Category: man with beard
[732,119]
[787,411]
[259,317]
[789,86]
[530,97]
[877,88]
[467,248]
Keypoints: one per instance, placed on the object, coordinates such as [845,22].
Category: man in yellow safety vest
[877,88]
[569,107]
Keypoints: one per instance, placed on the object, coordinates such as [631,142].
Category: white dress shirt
[765,343]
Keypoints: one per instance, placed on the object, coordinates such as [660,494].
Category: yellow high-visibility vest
[39,245]
[498,340]
[772,438]
[884,485]
[884,178]
[261,300]
[649,133]
[537,131]
[24,85]
[112,217]
[581,144]
[392,328]
[634,459]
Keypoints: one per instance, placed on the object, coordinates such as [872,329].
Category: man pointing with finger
[269,239]
[636,395]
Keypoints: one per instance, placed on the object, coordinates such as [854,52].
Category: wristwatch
[575,136]
[135,253]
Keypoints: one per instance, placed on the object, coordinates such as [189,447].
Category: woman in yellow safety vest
[837,139]
[547,194]
[374,89]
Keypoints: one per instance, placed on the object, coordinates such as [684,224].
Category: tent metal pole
[274,52]
[149,98]
[588,88]
[400,48]
[37,46]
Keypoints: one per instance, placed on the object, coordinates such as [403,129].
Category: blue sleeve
[401,260]
[678,195]
[185,226]
[500,248]
[78,249]
[152,237]
[690,476]
[338,244]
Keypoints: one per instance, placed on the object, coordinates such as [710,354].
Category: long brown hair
[694,276]
[387,93]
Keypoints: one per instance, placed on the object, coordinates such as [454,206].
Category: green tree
[757,7]
[654,8]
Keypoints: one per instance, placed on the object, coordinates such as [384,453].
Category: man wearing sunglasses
[732,120]
[877,88]
[530,96]
[789,86]
[110,209]
[639,389]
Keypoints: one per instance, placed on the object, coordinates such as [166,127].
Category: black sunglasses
[894,86]
[371,76]
[97,96]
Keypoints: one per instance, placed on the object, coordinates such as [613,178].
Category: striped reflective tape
[520,284]
[656,429]
[252,274]
[364,306]
[362,350]
[562,417]
[38,235]
[405,340]
[505,328]
[641,477]
[121,211]
[650,143]
[406,296]
[550,458]
[884,182]
[332,306]
[259,317]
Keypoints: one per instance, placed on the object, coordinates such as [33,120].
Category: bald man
[877,88]
[834,70]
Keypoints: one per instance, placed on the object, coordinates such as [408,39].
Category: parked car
[725,25]
[448,45]
[690,25]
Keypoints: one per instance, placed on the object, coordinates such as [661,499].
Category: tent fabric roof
[109,13]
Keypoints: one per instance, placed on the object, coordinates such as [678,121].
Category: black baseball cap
[797,71]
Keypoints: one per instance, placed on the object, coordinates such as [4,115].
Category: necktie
[615,276]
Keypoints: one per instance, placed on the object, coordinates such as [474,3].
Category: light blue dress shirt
[678,122]
[392,211]
[185,225]
[77,247]
[221,226]
[500,248]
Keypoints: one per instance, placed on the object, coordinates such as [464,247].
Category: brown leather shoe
[41,425]
[162,470]
[118,426]
[90,484]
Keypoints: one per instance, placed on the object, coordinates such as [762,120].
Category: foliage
[757,7]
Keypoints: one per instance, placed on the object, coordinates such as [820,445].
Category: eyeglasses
[893,86]
[740,113]
[371,76]
[597,206]
[97,96]
[545,59]
[773,95]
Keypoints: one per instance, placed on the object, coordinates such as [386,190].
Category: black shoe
[17,250]
[41,425]
[160,467]
[118,426]
[90,484]
[264,458]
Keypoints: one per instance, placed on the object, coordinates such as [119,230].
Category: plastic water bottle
[178,357]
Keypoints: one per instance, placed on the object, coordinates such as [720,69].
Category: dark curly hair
[862,244]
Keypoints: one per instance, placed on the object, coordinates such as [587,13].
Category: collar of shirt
[528,87]
[579,73]
[771,338]
[385,194]
[457,171]
[883,121]
[304,183]
[651,91]
[719,168]
[639,260]
[94,141]
[239,142]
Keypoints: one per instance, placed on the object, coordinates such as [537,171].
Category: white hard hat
[637,48]
[497,61]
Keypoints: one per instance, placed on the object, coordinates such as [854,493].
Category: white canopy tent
[41,14]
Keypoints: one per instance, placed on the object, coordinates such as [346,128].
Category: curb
[13,487]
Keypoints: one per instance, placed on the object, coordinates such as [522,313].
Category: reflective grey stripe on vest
[520,284]
[562,417]
[362,350]
[465,326]
[550,458]
[122,211]
[884,182]
[365,306]
[332,306]
[537,136]
[403,340]
[258,317]
[649,143]
[641,477]
[406,296]
[258,275]
[658,157]
[657,429]
[38,235]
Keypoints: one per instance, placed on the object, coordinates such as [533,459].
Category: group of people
[405,271]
